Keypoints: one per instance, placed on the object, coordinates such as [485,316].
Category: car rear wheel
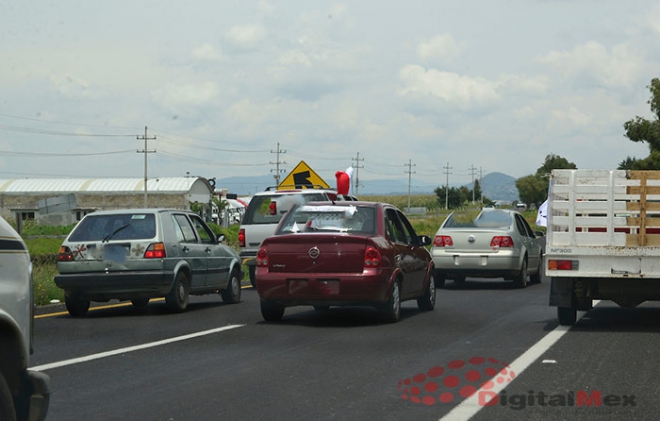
[7,410]
[392,308]
[520,280]
[536,277]
[232,294]
[177,298]
[272,311]
[439,279]
[76,307]
[253,271]
[427,301]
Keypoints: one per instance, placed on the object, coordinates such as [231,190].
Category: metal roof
[100,185]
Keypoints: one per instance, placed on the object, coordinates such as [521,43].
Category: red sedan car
[344,254]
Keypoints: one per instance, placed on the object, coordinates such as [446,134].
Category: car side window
[185,231]
[409,231]
[526,227]
[204,232]
[394,224]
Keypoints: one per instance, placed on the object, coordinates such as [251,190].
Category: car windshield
[136,226]
[488,218]
[330,218]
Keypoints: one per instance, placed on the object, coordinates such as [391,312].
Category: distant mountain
[496,186]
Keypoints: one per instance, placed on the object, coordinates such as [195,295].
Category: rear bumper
[336,289]
[116,285]
[487,265]
[39,384]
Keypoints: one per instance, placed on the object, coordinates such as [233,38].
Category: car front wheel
[177,298]
[7,410]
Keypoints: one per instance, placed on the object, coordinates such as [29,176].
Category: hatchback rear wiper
[109,236]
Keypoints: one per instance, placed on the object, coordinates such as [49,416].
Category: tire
[536,278]
[177,298]
[520,280]
[321,307]
[391,310]
[140,302]
[253,280]
[76,307]
[567,315]
[232,294]
[272,311]
[7,409]
[439,279]
[427,301]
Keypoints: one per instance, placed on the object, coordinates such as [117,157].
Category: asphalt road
[122,363]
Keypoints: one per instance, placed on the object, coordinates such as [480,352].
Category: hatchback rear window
[137,226]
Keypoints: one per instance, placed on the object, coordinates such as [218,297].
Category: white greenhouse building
[63,201]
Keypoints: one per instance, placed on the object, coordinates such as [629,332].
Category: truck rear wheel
[567,315]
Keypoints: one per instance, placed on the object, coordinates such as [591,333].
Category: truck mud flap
[561,292]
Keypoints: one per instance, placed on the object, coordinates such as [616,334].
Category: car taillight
[563,265]
[155,251]
[65,254]
[273,208]
[372,257]
[443,241]
[262,257]
[501,241]
[241,237]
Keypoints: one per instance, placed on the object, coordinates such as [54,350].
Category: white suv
[264,212]
[24,394]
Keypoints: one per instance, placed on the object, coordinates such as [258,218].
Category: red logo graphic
[457,379]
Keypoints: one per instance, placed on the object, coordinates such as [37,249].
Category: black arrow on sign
[301,180]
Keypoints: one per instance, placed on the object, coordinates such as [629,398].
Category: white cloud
[207,52]
[653,19]
[173,95]
[619,67]
[441,46]
[246,37]
[450,87]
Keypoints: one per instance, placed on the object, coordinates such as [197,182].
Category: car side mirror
[221,238]
[425,240]
[539,233]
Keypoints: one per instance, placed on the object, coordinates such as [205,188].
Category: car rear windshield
[488,218]
[135,226]
[330,218]
[269,209]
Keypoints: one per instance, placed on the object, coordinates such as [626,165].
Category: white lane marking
[79,360]
[470,406]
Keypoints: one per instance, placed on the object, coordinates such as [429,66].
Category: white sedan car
[493,243]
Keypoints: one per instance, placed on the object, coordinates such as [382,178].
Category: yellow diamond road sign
[303,177]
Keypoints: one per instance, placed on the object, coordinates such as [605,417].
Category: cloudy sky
[449,88]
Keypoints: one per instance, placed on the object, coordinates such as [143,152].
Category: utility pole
[410,172]
[145,151]
[481,185]
[472,174]
[357,168]
[447,168]
[277,164]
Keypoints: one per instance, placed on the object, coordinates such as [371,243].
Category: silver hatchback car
[493,243]
[139,254]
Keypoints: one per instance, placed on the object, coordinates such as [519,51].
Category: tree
[627,164]
[534,188]
[640,129]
